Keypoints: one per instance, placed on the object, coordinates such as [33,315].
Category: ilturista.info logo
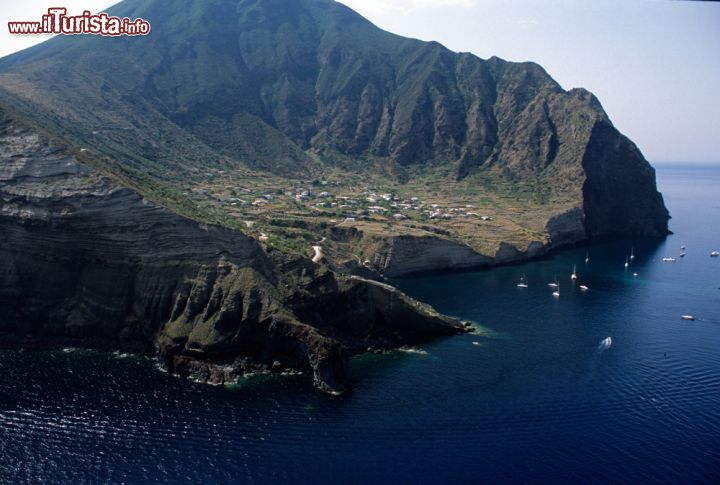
[57,21]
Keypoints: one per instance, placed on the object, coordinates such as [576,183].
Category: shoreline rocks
[87,262]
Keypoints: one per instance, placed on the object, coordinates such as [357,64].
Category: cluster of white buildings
[383,204]
[360,206]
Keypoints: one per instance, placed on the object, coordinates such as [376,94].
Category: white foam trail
[605,343]
[412,350]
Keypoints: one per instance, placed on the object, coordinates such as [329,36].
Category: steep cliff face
[619,191]
[396,256]
[86,261]
[403,255]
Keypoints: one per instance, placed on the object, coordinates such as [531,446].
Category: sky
[654,64]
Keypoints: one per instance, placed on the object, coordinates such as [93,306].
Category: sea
[608,385]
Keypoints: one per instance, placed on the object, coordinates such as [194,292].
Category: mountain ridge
[369,100]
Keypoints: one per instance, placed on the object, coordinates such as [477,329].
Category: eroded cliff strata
[86,261]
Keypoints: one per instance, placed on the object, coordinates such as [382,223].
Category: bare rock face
[567,228]
[619,191]
[404,255]
[88,262]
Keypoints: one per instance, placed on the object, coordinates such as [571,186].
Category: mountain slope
[312,70]
[303,88]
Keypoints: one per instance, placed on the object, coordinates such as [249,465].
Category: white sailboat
[556,293]
[573,276]
[523,282]
[584,288]
[632,253]
[627,262]
[554,284]
[587,258]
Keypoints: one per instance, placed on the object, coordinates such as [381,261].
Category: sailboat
[587,258]
[584,288]
[682,246]
[573,276]
[632,254]
[682,251]
[627,263]
[554,284]
[556,293]
[523,282]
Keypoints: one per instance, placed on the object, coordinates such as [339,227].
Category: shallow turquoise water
[537,395]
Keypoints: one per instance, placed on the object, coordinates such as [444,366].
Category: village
[339,203]
[293,215]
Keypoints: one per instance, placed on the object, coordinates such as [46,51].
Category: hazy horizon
[652,63]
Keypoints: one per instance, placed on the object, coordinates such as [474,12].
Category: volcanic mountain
[253,130]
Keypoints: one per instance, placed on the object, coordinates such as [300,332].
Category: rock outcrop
[397,256]
[404,255]
[86,261]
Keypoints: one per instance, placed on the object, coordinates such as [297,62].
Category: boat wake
[412,350]
[605,343]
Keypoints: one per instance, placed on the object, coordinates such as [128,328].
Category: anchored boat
[523,282]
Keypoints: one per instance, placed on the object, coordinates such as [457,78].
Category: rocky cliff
[396,256]
[86,261]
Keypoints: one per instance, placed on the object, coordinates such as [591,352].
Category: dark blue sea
[608,385]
